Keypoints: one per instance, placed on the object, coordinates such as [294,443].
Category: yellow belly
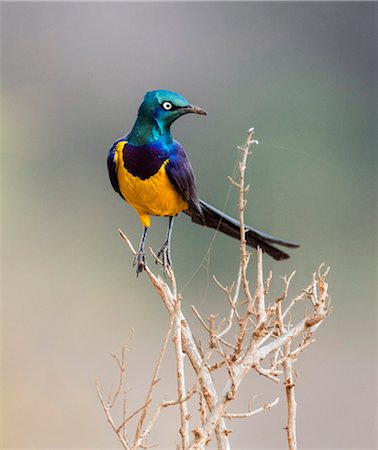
[155,196]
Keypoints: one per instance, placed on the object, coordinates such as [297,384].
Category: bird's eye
[167,106]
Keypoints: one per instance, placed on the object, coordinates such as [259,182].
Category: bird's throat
[147,131]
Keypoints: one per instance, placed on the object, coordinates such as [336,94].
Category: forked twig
[260,336]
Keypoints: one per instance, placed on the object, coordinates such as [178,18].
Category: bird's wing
[180,174]
[113,167]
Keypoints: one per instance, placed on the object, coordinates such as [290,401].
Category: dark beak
[195,110]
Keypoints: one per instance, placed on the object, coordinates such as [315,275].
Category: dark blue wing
[180,174]
[112,167]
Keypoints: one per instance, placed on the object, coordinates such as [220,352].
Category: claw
[140,262]
[164,254]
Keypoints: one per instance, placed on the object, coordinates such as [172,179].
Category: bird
[151,171]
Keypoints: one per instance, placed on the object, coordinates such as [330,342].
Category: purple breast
[144,161]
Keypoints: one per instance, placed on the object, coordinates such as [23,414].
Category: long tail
[213,218]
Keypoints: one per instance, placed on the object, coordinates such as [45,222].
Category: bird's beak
[195,110]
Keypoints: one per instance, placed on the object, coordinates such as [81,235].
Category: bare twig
[252,412]
[184,413]
[244,254]
[109,418]
[168,297]
[142,408]
[154,381]
[264,342]
[288,372]
[290,398]
[242,205]
[260,292]
[207,328]
[233,300]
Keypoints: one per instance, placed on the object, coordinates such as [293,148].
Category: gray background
[73,75]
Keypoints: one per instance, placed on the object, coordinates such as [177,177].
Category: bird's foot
[140,262]
[164,255]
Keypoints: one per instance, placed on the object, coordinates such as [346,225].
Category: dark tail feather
[213,218]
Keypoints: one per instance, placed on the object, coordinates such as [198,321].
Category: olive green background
[73,75]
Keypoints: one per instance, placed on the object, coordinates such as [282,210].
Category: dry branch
[252,412]
[263,342]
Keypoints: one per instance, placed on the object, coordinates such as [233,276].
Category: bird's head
[164,107]
[156,114]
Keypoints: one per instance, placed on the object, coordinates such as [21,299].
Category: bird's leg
[165,251]
[139,258]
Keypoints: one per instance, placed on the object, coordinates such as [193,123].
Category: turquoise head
[156,114]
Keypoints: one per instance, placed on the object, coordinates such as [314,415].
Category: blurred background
[73,76]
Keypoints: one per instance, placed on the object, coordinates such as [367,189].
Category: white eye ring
[167,106]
